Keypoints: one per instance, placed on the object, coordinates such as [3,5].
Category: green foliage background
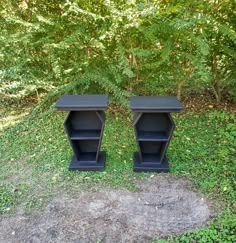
[118,47]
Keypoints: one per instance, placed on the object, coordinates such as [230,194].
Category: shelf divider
[152,136]
[84,134]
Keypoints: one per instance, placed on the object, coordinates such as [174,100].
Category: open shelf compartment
[85,150]
[154,127]
[84,125]
[151,152]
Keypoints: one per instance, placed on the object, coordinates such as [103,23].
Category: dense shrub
[118,47]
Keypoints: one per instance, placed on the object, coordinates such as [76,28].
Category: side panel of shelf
[101,115]
[136,118]
[67,127]
[170,135]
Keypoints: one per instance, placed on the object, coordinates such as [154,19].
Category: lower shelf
[152,136]
[86,164]
[84,134]
[151,158]
[150,163]
[89,157]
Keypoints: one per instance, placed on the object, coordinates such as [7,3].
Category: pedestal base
[149,166]
[88,165]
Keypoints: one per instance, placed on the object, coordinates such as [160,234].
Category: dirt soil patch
[162,205]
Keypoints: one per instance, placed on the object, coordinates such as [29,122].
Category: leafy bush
[116,47]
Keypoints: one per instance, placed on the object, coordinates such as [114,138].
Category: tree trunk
[179,89]
[216,81]
[186,78]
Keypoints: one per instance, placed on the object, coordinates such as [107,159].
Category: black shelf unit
[84,127]
[153,126]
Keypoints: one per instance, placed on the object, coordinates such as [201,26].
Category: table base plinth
[150,166]
[76,164]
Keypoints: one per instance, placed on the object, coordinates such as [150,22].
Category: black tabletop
[155,104]
[82,102]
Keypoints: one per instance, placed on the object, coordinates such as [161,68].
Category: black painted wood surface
[82,102]
[154,127]
[84,127]
[155,104]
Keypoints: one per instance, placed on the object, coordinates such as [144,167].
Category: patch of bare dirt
[162,205]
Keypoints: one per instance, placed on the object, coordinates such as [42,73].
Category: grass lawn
[34,156]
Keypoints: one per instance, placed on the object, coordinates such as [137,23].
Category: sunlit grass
[11,118]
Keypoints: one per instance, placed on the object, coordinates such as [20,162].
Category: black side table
[84,127]
[153,126]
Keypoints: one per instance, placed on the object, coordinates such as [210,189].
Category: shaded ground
[162,205]
[195,102]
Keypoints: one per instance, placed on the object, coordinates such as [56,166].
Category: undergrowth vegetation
[118,47]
